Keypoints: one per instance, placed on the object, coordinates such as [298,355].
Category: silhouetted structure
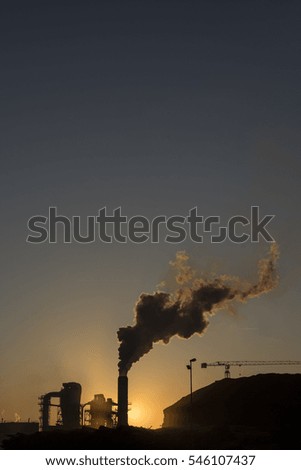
[122,400]
[68,407]
[228,364]
[260,401]
[100,412]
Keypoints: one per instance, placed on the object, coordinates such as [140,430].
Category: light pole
[189,367]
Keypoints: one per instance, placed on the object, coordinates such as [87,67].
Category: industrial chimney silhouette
[122,400]
[162,315]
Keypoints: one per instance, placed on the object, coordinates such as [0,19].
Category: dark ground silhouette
[261,401]
[215,437]
[258,412]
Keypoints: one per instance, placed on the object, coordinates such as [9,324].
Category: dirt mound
[264,400]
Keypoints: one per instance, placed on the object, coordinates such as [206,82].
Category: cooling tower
[70,405]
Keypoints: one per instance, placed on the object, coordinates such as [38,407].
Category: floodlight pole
[189,367]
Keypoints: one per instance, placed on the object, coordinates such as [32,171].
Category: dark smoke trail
[160,316]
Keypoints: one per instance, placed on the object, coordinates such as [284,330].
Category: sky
[155,107]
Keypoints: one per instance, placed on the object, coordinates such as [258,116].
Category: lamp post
[189,367]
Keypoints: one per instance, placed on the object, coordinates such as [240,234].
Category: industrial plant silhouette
[258,412]
[250,412]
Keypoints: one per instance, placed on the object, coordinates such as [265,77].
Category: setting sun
[140,414]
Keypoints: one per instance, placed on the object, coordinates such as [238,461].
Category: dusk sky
[155,107]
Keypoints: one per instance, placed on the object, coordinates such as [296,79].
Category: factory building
[101,412]
[71,414]
[68,408]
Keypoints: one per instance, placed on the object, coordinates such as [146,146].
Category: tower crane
[228,364]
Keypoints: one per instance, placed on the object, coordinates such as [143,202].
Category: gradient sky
[157,107]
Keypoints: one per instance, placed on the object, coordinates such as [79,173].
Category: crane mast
[228,364]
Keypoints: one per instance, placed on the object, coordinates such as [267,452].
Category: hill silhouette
[258,412]
[262,400]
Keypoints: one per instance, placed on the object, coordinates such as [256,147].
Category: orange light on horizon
[141,414]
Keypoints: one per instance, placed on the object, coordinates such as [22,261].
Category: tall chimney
[122,400]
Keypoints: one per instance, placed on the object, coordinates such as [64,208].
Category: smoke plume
[161,315]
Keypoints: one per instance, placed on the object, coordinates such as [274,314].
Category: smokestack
[122,400]
[162,315]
